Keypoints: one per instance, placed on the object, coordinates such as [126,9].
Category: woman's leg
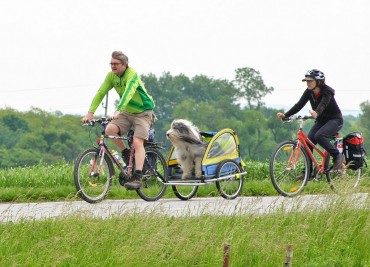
[325,133]
[323,136]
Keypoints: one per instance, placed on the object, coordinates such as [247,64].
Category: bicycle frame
[104,149]
[302,140]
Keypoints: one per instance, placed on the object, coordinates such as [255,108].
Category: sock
[126,149]
[138,172]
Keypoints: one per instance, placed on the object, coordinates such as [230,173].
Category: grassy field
[337,236]
[55,182]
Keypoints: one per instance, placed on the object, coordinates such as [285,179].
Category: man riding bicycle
[325,110]
[135,110]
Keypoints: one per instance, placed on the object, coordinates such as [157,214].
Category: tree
[365,123]
[32,142]
[254,135]
[251,87]
[209,90]
[14,122]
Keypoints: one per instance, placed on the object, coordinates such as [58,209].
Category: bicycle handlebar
[297,118]
[99,121]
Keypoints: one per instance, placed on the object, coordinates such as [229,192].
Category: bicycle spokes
[92,175]
[293,158]
[289,169]
[154,175]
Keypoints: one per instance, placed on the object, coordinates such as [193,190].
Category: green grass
[55,182]
[336,237]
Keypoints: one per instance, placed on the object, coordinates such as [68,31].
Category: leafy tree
[251,87]
[8,138]
[365,123]
[209,90]
[365,116]
[50,136]
[254,136]
[14,123]
[18,157]
[33,142]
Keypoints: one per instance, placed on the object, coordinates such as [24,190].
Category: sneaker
[134,182]
[338,162]
[126,155]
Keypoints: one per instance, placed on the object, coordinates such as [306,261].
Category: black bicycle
[94,167]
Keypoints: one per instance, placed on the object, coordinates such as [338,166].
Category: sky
[54,55]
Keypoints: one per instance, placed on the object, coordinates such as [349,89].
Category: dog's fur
[190,146]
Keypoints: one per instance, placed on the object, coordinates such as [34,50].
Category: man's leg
[117,128]
[138,145]
[142,122]
[114,130]
[135,181]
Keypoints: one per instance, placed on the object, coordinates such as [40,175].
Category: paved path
[172,207]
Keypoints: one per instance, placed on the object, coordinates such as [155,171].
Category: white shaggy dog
[190,147]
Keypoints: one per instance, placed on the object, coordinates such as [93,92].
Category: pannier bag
[354,151]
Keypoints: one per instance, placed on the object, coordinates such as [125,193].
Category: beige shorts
[140,123]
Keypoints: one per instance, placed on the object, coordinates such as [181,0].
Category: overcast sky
[54,54]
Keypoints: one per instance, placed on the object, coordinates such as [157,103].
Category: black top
[325,105]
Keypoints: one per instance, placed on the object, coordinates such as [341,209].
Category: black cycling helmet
[316,74]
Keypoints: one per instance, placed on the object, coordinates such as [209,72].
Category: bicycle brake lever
[307,117]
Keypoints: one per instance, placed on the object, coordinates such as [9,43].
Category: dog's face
[190,147]
[183,131]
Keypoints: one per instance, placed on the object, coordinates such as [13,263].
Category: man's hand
[280,115]
[88,117]
[313,114]
[115,115]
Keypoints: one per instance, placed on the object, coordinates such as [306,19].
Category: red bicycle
[290,165]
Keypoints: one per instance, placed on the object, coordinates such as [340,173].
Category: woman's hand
[313,114]
[280,115]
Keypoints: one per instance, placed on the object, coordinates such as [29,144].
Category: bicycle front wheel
[289,169]
[93,175]
[154,175]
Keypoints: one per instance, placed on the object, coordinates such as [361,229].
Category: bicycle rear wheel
[345,181]
[287,165]
[154,175]
[93,175]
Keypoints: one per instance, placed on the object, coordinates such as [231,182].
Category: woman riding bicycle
[325,110]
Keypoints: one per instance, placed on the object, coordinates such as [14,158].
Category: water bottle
[339,144]
[117,155]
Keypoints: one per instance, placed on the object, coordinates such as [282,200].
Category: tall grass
[55,182]
[337,236]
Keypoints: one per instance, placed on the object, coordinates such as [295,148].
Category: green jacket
[133,96]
